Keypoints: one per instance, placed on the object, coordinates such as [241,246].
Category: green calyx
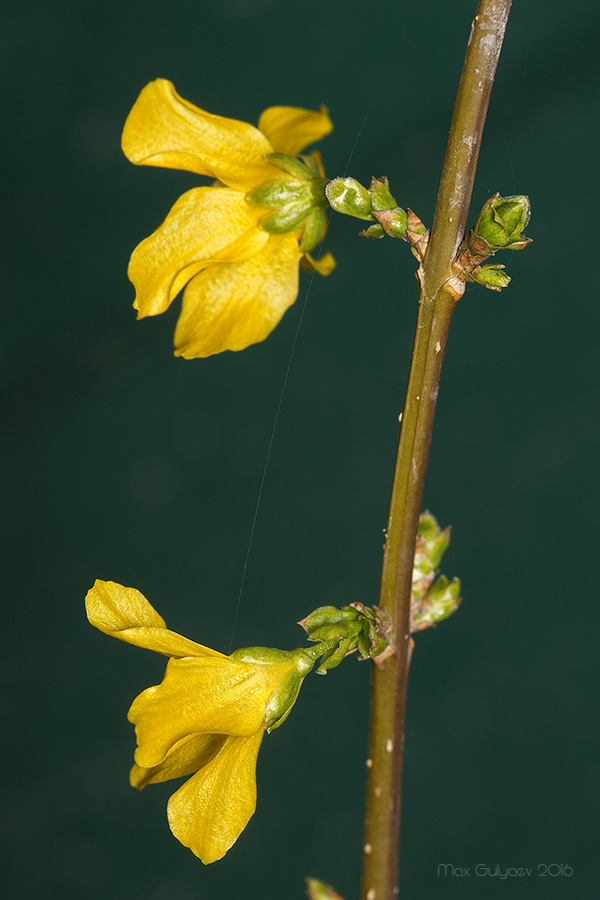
[501,223]
[294,202]
[343,631]
[433,599]
[300,663]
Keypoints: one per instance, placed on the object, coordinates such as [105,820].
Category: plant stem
[438,294]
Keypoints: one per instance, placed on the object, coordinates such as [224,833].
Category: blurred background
[124,463]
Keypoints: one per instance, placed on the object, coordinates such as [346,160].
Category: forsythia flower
[206,719]
[236,245]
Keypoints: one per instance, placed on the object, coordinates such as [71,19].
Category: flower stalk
[438,293]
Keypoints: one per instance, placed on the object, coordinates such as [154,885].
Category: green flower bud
[347,196]
[300,663]
[502,221]
[492,277]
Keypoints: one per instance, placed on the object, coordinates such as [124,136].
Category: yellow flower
[206,719]
[239,264]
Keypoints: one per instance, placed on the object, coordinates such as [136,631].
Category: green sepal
[301,661]
[311,164]
[285,219]
[275,194]
[347,196]
[292,166]
[313,230]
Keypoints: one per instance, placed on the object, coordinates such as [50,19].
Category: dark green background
[122,462]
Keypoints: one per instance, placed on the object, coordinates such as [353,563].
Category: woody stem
[437,298]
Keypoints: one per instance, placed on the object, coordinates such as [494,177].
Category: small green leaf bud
[347,196]
[432,543]
[373,232]
[442,599]
[381,197]
[393,221]
[318,890]
[492,277]
[431,601]
[502,221]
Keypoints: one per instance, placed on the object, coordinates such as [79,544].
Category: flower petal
[324,265]
[187,756]
[206,225]
[165,130]
[209,812]
[201,696]
[229,307]
[290,129]
[124,613]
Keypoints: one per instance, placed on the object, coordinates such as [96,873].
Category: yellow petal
[319,161]
[209,812]
[324,265]
[124,613]
[230,306]
[206,225]
[187,756]
[165,130]
[290,129]
[201,696]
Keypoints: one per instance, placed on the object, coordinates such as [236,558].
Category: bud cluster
[433,599]
[377,205]
[353,628]
[500,226]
